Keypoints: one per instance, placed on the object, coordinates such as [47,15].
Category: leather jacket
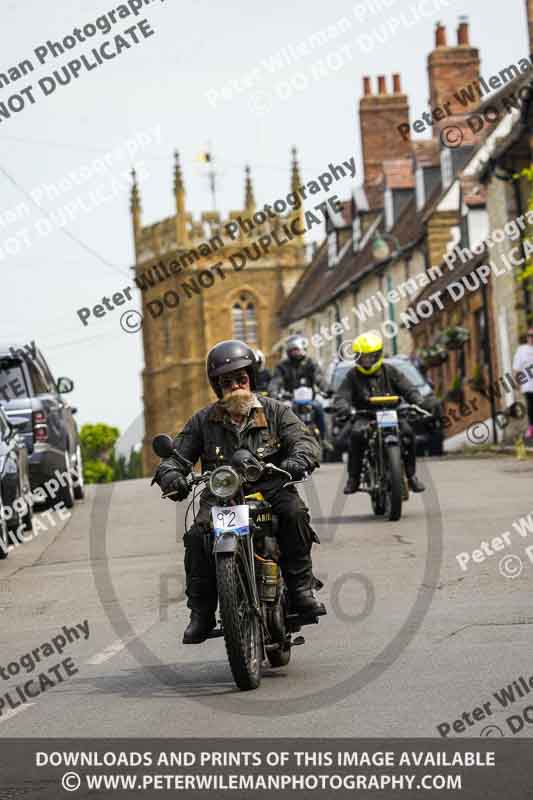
[288,376]
[272,433]
[356,388]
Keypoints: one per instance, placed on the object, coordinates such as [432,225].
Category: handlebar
[406,408]
[194,481]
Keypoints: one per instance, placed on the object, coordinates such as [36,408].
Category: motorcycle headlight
[224,482]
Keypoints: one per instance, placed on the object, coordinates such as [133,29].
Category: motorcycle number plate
[231,519]
[387,419]
[303,394]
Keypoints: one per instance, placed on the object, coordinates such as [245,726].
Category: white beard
[239,403]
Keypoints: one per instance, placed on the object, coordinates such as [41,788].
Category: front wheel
[393,480]
[242,632]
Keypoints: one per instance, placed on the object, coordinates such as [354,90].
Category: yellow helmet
[368,349]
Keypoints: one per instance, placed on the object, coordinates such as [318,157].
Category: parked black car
[28,391]
[14,482]
[429,439]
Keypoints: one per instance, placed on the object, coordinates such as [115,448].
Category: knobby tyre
[241,626]
[394,483]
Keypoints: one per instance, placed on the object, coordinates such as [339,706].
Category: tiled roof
[319,285]
[449,276]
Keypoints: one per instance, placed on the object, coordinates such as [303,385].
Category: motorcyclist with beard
[370,376]
[273,433]
[297,370]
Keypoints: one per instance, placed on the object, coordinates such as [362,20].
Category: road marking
[117,646]
[15,711]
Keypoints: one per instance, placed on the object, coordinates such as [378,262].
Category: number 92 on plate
[231,519]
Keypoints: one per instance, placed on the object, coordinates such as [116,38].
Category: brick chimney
[379,117]
[529,14]
[450,69]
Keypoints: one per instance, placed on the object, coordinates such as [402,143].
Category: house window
[244,320]
[332,248]
[481,335]
[389,209]
[446,166]
[464,233]
[420,189]
[356,233]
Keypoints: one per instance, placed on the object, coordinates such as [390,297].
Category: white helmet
[260,358]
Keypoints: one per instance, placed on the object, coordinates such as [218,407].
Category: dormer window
[356,233]
[446,166]
[332,248]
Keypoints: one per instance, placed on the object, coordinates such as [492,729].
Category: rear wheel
[393,481]
[277,628]
[79,485]
[242,632]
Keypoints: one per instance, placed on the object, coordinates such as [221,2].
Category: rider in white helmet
[263,374]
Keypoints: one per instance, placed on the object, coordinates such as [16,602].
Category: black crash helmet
[229,356]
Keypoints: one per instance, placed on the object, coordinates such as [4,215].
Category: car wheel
[27,519]
[79,485]
[4,552]
[66,493]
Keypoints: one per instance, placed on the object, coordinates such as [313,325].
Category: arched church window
[244,320]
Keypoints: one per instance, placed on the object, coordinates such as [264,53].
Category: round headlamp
[224,482]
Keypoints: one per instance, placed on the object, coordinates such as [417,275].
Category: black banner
[242,768]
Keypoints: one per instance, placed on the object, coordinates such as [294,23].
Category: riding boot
[352,485]
[358,439]
[200,625]
[201,588]
[301,584]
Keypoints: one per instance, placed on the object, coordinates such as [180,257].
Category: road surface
[411,640]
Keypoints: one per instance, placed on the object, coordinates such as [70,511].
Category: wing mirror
[64,385]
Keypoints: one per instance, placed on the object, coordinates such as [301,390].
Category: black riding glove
[294,467]
[175,482]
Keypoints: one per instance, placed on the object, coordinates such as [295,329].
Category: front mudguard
[391,440]
[226,543]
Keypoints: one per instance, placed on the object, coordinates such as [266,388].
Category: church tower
[204,280]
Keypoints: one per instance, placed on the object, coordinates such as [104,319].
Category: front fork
[230,543]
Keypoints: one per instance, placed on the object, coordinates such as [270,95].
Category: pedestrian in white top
[523,368]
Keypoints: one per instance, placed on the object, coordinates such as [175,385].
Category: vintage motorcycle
[256,620]
[383,475]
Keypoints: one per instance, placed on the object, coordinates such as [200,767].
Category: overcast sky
[175,80]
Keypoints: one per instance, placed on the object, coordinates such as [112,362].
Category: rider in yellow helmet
[371,376]
[368,350]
